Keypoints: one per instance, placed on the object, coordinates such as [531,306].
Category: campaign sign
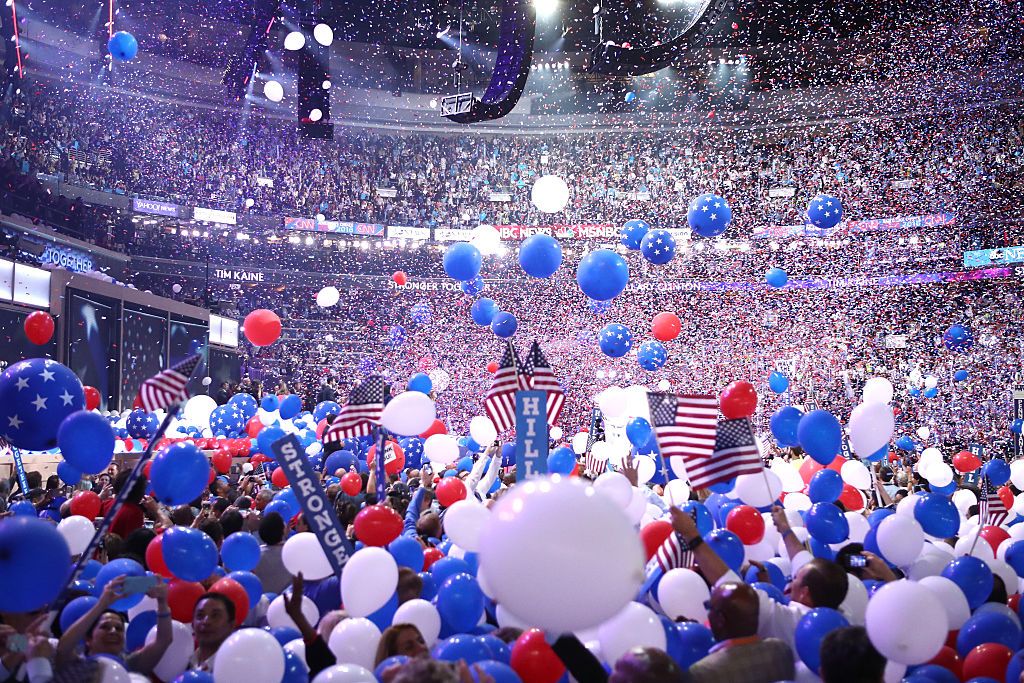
[531,434]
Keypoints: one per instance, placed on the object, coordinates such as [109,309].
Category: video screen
[143,350]
[14,346]
[93,346]
[189,337]
[225,366]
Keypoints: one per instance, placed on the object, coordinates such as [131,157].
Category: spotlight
[545,8]
[326,85]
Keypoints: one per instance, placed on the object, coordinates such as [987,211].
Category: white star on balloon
[21,383]
[39,403]
[14,422]
[47,375]
[67,398]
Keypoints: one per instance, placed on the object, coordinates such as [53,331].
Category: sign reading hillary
[531,434]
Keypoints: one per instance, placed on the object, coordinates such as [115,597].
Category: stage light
[545,8]
[294,41]
[309,241]
[433,104]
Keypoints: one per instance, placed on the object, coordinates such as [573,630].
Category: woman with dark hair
[400,639]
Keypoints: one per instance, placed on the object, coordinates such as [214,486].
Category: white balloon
[797,501]
[900,539]
[1003,570]
[302,553]
[758,489]
[555,432]
[964,499]
[678,468]
[197,410]
[112,671]
[482,430]
[267,418]
[676,492]
[637,506]
[966,545]
[77,531]
[856,474]
[645,469]
[859,527]
[682,593]
[542,526]
[409,414]
[550,194]
[441,449]
[249,655]
[423,616]
[894,672]
[870,427]
[615,487]
[369,581]
[906,506]
[175,659]
[930,382]
[294,41]
[878,390]
[1017,473]
[274,91]
[925,565]
[323,34]
[924,432]
[789,475]
[579,443]
[278,616]
[633,626]
[345,673]
[507,619]
[297,647]
[612,402]
[952,599]
[940,474]
[855,604]
[327,297]
[663,385]
[464,521]
[354,641]
[906,622]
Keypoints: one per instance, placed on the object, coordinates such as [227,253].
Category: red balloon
[399,277]
[994,535]
[1014,603]
[394,458]
[965,462]
[430,556]
[377,525]
[253,427]
[987,660]
[85,503]
[436,428]
[39,327]
[948,659]
[653,535]
[810,467]
[278,478]
[352,483]
[320,427]
[259,459]
[234,592]
[739,399]
[450,490]
[182,597]
[665,326]
[1006,495]
[262,327]
[492,367]
[851,498]
[534,660]
[155,557]
[747,523]
[129,445]
[92,398]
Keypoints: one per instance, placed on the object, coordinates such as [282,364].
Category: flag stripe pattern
[596,433]
[991,508]
[500,401]
[361,414]
[542,378]
[736,453]
[684,425]
[167,387]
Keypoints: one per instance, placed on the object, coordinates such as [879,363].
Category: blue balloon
[825,487]
[988,627]
[822,550]
[429,590]
[270,403]
[778,383]
[246,405]
[697,640]
[639,432]
[1016,667]
[879,455]
[937,515]
[252,585]
[86,441]
[179,474]
[447,567]
[1017,426]
[122,46]
[651,355]
[460,602]
[633,232]
[499,671]
[602,274]
[784,423]
[110,571]
[226,420]
[773,591]
[412,447]
[36,396]
[421,313]
[140,424]
[396,660]
[703,517]
[997,471]
[914,391]
[266,438]
[973,577]
[728,546]
[240,552]
[958,338]
[34,563]
[383,617]
[931,673]
[90,570]
[561,461]
[500,650]
[504,324]
[960,375]
[812,629]
[396,336]
[325,408]
[197,677]
[820,435]
[708,215]
[474,286]
[462,261]
[295,669]
[284,634]
[290,406]
[68,474]
[23,508]
[420,382]
[288,497]
[462,646]
[340,460]
[540,255]
[826,523]
[825,212]
[931,393]
[75,609]
[658,247]
[190,554]
[483,311]
[615,340]
[776,277]
[138,628]
[905,443]
[407,552]
[1015,557]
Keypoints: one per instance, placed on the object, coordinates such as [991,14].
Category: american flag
[736,453]
[543,379]
[500,401]
[596,433]
[167,387]
[361,414]
[684,425]
[670,555]
[991,508]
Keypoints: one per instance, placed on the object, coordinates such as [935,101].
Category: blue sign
[987,257]
[65,257]
[531,434]
[319,512]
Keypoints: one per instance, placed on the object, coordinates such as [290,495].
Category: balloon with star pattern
[141,424]
[633,232]
[35,397]
[658,247]
[709,215]
[651,355]
[227,420]
[615,340]
[825,212]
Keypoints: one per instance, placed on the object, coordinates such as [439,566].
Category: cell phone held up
[134,585]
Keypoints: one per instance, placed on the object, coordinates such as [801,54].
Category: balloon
[460,602]
[547,524]
[400,278]
[291,406]
[85,503]
[462,261]
[249,655]
[639,432]
[182,597]
[75,609]
[92,398]
[987,627]
[973,577]
[482,430]
[236,593]
[302,553]
[812,629]
[34,557]
[708,215]
[110,571]
[615,487]
[906,622]
[856,475]
[369,580]
[682,593]
[871,426]
[633,232]
[825,212]
[377,525]
[958,338]
[352,483]
[825,486]
[408,414]
[997,471]
[423,616]
[784,423]
[179,474]
[950,597]
[988,661]
[86,441]
[665,326]
[739,399]
[550,194]
[122,46]
[728,546]
[504,324]
[658,247]
[483,311]
[262,327]
[441,449]
[450,490]
[778,382]
[602,274]
[877,390]
[634,626]
[746,522]
[39,327]
[77,532]
[615,340]
[189,553]
[354,641]
[900,539]
[776,277]
[651,355]
[826,523]
[540,255]
[937,515]
[36,395]
[327,297]
[420,382]
[534,660]
[464,523]
[820,435]
[277,616]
